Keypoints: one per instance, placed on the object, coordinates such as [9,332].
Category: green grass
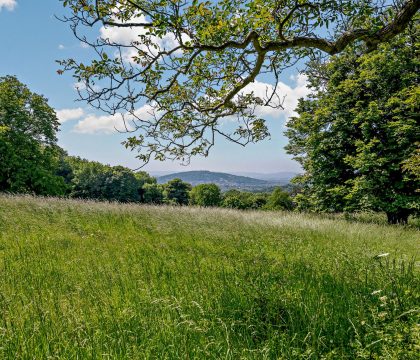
[96,280]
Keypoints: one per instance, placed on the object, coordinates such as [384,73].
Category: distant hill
[223,180]
[282,176]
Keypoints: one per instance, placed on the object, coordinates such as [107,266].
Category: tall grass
[97,280]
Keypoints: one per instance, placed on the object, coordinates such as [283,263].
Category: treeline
[92,180]
[32,162]
[356,137]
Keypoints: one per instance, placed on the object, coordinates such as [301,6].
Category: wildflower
[382,315]
[381,255]
[376,292]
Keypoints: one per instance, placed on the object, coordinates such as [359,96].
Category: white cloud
[123,35]
[290,94]
[60,47]
[105,124]
[79,86]
[69,114]
[108,124]
[126,36]
[8,4]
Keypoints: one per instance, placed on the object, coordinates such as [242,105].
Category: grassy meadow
[88,280]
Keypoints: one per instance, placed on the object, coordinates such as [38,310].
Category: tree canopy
[279,200]
[177,192]
[28,150]
[174,69]
[356,135]
[205,195]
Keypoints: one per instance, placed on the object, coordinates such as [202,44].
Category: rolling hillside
[281,177]
[223,180]
[91,280]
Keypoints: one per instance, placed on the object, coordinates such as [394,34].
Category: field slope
[94,280]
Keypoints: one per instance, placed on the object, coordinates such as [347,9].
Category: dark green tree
[235,199]
[205,195]
[191,60]
[93,180]
[88,179]
[143,178]
[259,200]
[152,193]
[29,153]
[356,136]
[65,169]
[279,200]
[121,184]
[177,192]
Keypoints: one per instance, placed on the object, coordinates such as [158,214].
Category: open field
[96,280]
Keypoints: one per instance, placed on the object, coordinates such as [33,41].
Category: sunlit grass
[97,280]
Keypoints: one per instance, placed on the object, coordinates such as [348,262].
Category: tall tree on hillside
[28,145]
[193,62]
[356,136]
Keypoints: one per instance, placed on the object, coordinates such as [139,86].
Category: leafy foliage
[279,200]
[191,61]
[153,193]
[28,150]
[235,199]
[205,195]
[177,192]
[93,180]
[143,179]
[356,137]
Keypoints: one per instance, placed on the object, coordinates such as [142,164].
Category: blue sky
[32,39]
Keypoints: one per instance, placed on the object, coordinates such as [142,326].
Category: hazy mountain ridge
[225,181]
[285,176]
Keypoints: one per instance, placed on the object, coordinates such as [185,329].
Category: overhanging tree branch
[195,62]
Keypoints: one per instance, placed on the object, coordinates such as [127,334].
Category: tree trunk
[398,217]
